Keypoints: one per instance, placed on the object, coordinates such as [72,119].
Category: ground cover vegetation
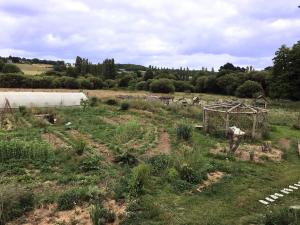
[135,161]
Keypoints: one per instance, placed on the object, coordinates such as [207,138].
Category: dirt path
[212,178]
[163,147]
[101,148]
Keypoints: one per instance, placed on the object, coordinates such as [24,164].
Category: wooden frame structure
[5,110]
[217,118]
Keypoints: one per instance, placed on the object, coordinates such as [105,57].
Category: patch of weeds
[68,199]
[184,131]
[139,178]
[100,215]
[126,159]
[93,101]
[79,146]
[159,163]
[111,102]
[90,163]
[14,202]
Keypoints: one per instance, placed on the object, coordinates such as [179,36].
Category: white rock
[293,187]
[288,189]
[278,195]
[285,192]
[264,202]
[270,199]
[298,185]
[274,197]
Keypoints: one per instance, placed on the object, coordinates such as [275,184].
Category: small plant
[23,110]
[159,163]
[140,176]
[84,104]
[80,146]
[101,216]
[93,101]
[111,102]
[126,159]
[90,164]
[184,131]
[188,174]
[125,106]
[251,154]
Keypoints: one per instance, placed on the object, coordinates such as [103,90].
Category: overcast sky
[171,33]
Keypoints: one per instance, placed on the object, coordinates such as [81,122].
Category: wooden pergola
[219,117]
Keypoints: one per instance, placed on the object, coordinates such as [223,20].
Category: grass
[157,190]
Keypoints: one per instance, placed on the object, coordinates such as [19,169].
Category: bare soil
[243,153]
[163,147]
[284,144]
[48,215]
[212,178]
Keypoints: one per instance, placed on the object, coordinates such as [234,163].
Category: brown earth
[49,215]
[212,178]
[118,208]
[284,144]
[163,146]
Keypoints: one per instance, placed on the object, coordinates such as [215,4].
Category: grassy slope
[232,201]
[34,69]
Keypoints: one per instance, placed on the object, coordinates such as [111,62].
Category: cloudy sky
[172,33]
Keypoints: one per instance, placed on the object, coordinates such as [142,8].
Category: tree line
[281,80]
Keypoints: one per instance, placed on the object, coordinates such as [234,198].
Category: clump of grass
[14,202]
[184,131]
[128,131]
[93,101]
[139,178]
[68,199]
[80,146]
[23,110]
[101,216]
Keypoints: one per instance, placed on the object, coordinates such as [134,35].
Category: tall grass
[19,149]
[128,131]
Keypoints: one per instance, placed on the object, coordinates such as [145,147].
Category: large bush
[142,85]
[162,86]
[140,176]
[181,86]
[249,89]
[10,68]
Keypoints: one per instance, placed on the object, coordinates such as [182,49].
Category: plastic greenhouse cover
[41,99]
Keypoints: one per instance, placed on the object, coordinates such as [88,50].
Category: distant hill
[34,69]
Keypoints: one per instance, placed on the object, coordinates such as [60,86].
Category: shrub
[68,199]
[142,85]
[101,216]
[23,110]
[139,177]
[14,202]
[162,86]
[10,68]
[90,163]
[124,81]
[183,86]
[188,174]
[184,131]
[126,159]
[93,101]
[80,146]
[172,175]
[249,89]
[125,106]
[111,102]
[283,216]
[159,163]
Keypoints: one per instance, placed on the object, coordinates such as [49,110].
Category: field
[33,69]
[136,161]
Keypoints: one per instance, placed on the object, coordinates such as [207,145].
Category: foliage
[188,174]
[282,216]
[184,131]
[111,102]
[74,196]
[90,163]
[14,201]
[93,101]
[20,150]
[159,163]
[249,89]
[100,215]
[79,146]
[126,159]
[162,86]
[127,131]
[10,68]
[139,178]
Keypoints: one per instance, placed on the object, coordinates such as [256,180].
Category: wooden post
[205,116]
[254,125]
[226,123]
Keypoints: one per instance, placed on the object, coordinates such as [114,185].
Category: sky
[168,33]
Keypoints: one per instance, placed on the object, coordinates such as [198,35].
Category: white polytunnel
[41,99]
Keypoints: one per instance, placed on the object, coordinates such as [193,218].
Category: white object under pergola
[41,99]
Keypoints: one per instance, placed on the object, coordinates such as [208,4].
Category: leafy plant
[139,177]
[126,159]
[184,131]
[93,101]
[80,146]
